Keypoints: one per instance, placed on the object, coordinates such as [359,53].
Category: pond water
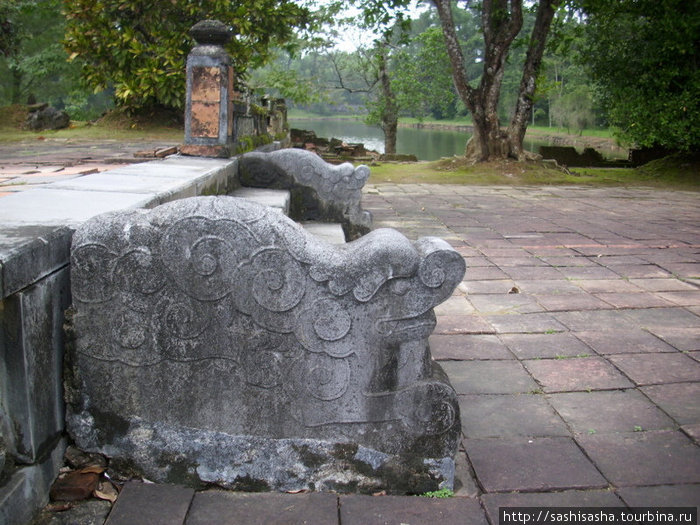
[425,144]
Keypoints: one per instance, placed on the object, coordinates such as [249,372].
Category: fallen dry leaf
[74,486]
[106,491]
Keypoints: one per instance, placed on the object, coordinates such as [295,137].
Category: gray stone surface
[32,366]
[320,191]
[150,503]
[48,118]
[278,199]
[27,488]
[217,341]
[89,512]
[37,225]
[226,508]
[329,232]
[394,510]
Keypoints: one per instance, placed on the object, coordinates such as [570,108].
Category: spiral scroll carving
[202,258]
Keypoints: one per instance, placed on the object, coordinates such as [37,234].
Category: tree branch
[454,51]
[341,82]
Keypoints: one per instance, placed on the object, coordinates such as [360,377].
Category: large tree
[645,58]
[501,22]
[32,60]
[140,47]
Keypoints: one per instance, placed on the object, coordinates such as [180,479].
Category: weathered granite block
[320,191]
[217,341]
[31,367]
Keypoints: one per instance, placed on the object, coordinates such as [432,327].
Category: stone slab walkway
[573,343]
[29,164]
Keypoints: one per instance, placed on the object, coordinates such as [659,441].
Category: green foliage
[140,48]
[32,60]
[573,109]
[442,493]
[644,55]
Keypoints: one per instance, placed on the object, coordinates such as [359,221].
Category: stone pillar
[209,107]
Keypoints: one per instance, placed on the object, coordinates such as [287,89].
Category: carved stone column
[209,108]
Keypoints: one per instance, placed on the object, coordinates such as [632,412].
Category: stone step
[328,231]
[150,503]
[278,199]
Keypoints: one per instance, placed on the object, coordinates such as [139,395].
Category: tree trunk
[390,112]
[16,90]
[533,61]
[501,23]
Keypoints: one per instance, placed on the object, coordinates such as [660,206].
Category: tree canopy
[140,47]
[644,57]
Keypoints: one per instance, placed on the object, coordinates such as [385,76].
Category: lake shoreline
[554,137]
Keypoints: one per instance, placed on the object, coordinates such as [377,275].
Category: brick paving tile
[526,260]
[588,273]
[549,287]
[661,496]
[569,302]
[693,432]
[509,415]
[568,260]
[484,273]
[682,298]
[664,318]
[581,321]
[467,346]
[644,458]
[532,273]
[616,260]
[465,485]
[576,374]
[684,270]
[247,508]
[528,323]
[529,464]
[633,300]
[505,253]
[397,510]
[502,286]
[489,304]
[489,377]
[546,252]
[678,400]
[641,271]
[463,324]
[663,285]
[455,305]
[624,342]
[652,369]
[683,339]
[609,411]
[607,285]
[479,261]
[538,346]
[150,503]
[568,498]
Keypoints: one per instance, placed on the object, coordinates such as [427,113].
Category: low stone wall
[35,290]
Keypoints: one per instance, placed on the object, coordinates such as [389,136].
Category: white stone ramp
[328,231]
[279,200]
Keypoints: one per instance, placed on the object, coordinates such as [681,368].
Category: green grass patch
[113,126]
[683,174]
[442,493]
